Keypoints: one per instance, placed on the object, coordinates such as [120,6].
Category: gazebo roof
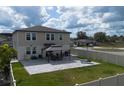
[54,48]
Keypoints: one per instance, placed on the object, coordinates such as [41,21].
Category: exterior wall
[14,40]
[41,39]
[22,52]
[20,43]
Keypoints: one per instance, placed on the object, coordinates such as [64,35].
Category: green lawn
[65,77]
[115,45]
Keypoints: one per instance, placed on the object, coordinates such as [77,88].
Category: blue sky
[88,19]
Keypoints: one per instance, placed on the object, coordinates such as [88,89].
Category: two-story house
[34,40]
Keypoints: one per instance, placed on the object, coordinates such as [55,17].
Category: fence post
[76,84]
[117,79]
[14,82]
[100,81]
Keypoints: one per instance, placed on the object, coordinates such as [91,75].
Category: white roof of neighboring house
[85,40]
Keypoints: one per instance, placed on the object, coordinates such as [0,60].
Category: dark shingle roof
[42,29]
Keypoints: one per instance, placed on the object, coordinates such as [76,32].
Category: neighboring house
[84,42]
[2,40]
[35,40]
[6,38]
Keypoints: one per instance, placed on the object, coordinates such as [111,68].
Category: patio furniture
[40,56]
[33,57]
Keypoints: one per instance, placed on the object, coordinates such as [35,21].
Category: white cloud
[50,7]
[10,18]
[53,22]
[5,29]
[89,19]
[44,14]
[19,17]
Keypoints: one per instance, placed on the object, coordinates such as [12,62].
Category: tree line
[100,37]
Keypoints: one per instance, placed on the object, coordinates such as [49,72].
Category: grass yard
[114,45]
[65,77]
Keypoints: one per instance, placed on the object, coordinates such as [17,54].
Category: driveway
[43,66]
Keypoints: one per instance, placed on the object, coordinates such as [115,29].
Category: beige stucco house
[33,41]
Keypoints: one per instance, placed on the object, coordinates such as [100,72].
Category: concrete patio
[42,65]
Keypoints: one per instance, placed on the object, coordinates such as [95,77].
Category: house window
[33,36]
[34,50]
[28,36]
[28,50]
[47,36]
[60,38]
[52,36]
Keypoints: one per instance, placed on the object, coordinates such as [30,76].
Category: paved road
[91,49]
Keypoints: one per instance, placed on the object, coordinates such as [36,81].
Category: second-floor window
[28,36]
[60,37]
[52,36]
[31,36]
[47,36]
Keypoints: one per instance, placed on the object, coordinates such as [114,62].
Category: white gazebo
[55,48]
[55,52]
